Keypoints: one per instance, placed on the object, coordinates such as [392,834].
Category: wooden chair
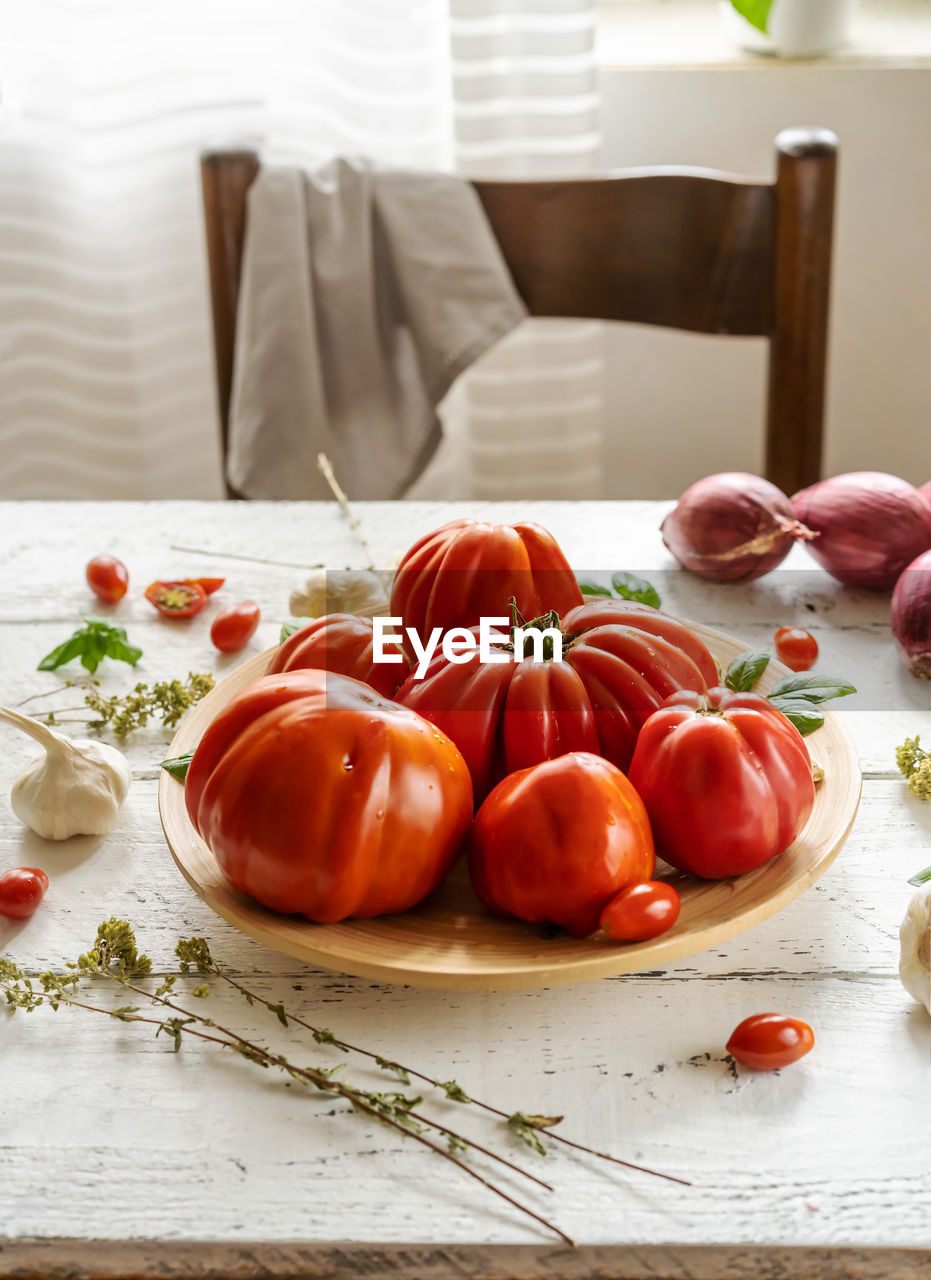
[685,248]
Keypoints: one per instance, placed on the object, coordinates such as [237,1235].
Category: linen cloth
[364,293]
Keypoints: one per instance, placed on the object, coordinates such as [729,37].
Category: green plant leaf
[756,12]
[288,628]
[804,714]
[72,648]
[746,669]
[923,877]
[813,688]
[178,766]
[594,589]
[629,587]
[93,642]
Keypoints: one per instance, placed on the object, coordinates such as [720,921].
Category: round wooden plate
[451,942]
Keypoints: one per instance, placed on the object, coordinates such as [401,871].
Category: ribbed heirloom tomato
[468,570]
[342,642]
[619,662]
[726,780]
[319,797]
[554,843]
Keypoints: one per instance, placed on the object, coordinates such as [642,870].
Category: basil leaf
[178,765]
[813,688]
[71,649]
[923,877]
[629,587]
[118,648]
[804,714]
[756,12]
[594,589]
[746,669]
[293,624]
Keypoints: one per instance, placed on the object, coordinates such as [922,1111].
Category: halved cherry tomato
[796,648]
[176,599]
[641,911]
[210,585]
[107,577]
[234,627]
[21,891]
[770,1040]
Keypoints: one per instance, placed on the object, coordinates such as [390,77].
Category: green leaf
[594,589]
[118,648]
[629,587]
[746,669]
[454,1091]
[92,643]
[395,1068]
[813,688]
[178,766]
[756,12]
[923,877]
[288,628]
[71,649]
[804,714]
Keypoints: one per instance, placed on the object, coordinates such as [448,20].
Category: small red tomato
[176,599]
[236,626]
[641,911]
[796,648]
[770,1040]
[108,578]
[21,891]
[210,585]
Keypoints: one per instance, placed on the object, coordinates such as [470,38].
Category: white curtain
[106,369]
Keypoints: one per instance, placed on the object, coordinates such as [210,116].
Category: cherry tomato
[234,627]
[770,1040]
[21,891]
[796,648]
[108,578]
[176,599]
[641,911]
[210,585]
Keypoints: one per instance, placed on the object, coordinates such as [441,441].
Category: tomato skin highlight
[176,599]
[21,891]
[108,578]
[767,1041]
[235,627]
[551,844]
[641,911]
[343,643]
[210,585]
[795,648]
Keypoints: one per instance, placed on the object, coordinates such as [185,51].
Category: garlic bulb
[915,941]
[75,788]
[361,591]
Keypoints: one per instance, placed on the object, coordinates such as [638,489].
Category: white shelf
[688,34]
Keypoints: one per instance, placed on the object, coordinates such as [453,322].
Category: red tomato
[641,911]
[770,1040]
[108,578]
[210,585]
[321,798]
[796,648]
[342,642]
[620,661]
[176,599]
[235,626]
[467,570]
[726,780]
[21,891]
[555,842]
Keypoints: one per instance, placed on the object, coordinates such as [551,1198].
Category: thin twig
[234,555]
[326,470]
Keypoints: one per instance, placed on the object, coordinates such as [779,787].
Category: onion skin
[870,525]
[911,615]
[732,527]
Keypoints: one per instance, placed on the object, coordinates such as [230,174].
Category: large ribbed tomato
[556,842]
[342,642]
[468,570]
[620,661]
[726,780]
[318,796]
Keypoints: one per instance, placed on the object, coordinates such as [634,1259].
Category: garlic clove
[915,948]
[359,591]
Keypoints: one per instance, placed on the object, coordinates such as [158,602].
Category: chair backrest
[684,248]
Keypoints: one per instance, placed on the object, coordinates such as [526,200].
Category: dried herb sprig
[915,763]
[115,956]
[166,700]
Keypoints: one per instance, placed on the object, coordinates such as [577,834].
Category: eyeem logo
[459,644]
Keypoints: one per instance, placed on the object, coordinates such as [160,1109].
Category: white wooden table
[107,1136]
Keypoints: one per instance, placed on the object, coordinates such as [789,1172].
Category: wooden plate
[451,942]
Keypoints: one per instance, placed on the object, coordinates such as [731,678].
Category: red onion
[925,492]
[732,527]
[871,525]
[911,615]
